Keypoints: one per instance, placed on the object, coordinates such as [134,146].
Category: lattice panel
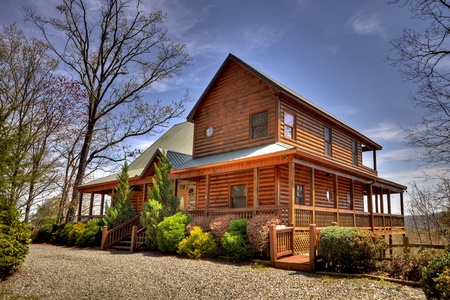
[302,218]
[362,221]
[324,219]
[301,243]
[346,220]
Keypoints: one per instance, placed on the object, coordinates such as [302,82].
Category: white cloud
[385,131]
[365,23]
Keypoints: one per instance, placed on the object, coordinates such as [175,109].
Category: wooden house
[258,147]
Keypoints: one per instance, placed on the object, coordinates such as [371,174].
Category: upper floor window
[238,196]
[289,121]
[355,152]
[327,140]
[259,124]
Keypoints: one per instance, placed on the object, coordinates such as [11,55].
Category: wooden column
[255,190]
[112,197]
[389,208]
[292,194]
[352,200]
[312,245]
[382,207]
[91,206]
[102,204]
[207,195]
[370,204]
[313,195]
[80,205]
[374,159]
[336,197]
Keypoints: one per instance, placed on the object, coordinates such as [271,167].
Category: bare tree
[116,52]
[423,57]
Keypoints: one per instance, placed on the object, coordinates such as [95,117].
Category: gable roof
[282,90]
[177,143]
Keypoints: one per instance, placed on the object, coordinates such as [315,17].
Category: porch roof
[236,155]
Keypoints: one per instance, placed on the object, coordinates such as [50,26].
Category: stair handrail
[118,233]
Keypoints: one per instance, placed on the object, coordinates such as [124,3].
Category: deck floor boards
[295,262]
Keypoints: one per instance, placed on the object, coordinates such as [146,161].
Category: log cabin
[253,146]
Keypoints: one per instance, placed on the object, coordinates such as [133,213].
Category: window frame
[328,141]
[231,194]
[252,127]
[302,199]
[293,133]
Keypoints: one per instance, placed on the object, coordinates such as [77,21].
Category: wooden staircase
[128,236]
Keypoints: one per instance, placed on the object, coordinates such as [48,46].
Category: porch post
[207,195]
[352,200]
[102,204]
[312,245]
[382,206]
[370,200]
[336,197]
[112,197]
[313,195]
[80,204]
[389,207]
[91,206]
[292,194]
[255,190]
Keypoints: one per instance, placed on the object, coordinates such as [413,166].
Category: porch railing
[115,235]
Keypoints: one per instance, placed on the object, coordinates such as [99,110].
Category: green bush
[430,282]
[151,216]
[92,235]
[235,243]
[408,265]
[171,231]
[258,232]
[350,249]
[61,235]
[75,233]
[14,241]
[443,284]
[199,244]
[220,225]
[44,233]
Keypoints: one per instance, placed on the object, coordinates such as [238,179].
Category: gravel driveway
[54,272]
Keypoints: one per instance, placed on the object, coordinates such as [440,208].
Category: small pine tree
[162,190]
[121,210]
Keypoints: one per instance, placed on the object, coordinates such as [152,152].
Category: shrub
[430,282]
[350,249]
[220,225]
[443,284]
[199,244]
[151,215]
[171,231]
[409,265]
[92,235]
[200,221]
[235,243]
[258,232]
[14,241]
[75,233]
[61,235]
[44,233]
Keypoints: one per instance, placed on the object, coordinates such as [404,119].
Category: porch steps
[124,244]
[295,262]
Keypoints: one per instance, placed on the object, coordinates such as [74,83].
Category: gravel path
[53,272]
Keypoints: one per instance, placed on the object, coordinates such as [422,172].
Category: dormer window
[289,121]
[259,123]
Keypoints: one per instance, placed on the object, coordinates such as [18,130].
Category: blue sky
[331,52]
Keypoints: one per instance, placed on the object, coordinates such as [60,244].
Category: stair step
[121,247]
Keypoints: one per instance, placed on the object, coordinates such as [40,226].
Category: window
[349,201]
[355,152]
[327,139]
[238,196]
[260,124]
[289,121]
[299,194]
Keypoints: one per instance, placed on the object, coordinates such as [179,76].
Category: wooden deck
[295,262]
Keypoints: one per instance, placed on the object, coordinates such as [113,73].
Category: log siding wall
[233,98]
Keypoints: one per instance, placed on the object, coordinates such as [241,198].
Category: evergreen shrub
[61,235]
[258,232]
[14,241]
[349,250]
[151,215]
[92,235]
[171,231]
[44,234]
[199,244]
[434,275]
[235,243]
[75,233]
